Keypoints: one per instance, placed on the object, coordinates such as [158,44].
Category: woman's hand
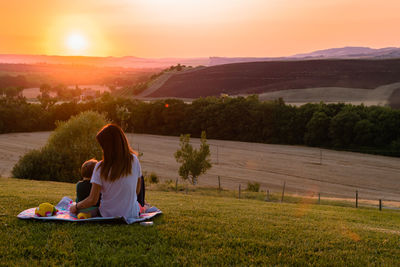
[73,209]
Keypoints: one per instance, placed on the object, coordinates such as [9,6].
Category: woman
[116,177]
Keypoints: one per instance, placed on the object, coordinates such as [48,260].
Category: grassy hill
[198,229]
[262,77]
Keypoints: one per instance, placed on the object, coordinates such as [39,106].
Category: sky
[195,28]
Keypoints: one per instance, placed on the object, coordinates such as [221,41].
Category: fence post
[283,190]
[380,204]
[217,156]
[319,198]
[239,191]
[356,198]
[219,183]
[267,196]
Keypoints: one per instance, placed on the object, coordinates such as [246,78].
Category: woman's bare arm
[90,201]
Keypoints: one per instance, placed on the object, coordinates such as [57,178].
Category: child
[83,189]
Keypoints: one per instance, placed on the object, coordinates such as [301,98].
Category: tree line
[360,128]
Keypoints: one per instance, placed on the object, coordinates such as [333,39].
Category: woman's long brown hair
[117,154]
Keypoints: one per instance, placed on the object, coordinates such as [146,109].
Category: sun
[76,43]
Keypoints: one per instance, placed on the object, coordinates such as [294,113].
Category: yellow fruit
[83,215]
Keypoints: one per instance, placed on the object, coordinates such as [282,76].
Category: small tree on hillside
[194,162]
[123,115]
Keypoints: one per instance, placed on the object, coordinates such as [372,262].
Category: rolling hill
[353,52]
[270,76]
[349,52]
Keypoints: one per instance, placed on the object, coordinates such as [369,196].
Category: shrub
[253,187]
[194,161]
[72,143]
[43,164]
[153,178]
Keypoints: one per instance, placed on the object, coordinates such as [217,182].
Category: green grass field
[198,229]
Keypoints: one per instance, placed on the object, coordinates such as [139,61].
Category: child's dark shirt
[83,190]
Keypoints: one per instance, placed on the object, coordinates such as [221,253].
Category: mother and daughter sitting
[117,178]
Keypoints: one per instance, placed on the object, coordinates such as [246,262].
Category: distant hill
[353,52]
[339,53]
[127,62]
[262,77]
[138,62]
[70,74]
[229,60]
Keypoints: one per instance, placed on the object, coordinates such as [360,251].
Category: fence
[318,158]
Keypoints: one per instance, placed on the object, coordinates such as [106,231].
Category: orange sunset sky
[195,28]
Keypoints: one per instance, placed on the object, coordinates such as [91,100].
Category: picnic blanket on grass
[63,214]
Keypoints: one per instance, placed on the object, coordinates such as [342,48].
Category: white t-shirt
[119,198]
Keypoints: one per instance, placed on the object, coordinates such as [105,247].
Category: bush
[153,178]
[253,187]
[72,143]
[194,161]
[44,164]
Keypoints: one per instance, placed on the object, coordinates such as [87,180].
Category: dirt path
[339,175]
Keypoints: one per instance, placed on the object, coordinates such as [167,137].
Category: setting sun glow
[196,28]
[76,43]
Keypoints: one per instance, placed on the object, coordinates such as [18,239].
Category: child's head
[87,168]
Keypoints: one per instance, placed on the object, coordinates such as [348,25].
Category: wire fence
[356,199]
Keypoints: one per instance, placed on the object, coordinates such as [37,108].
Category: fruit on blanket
[83,215]
[45,210]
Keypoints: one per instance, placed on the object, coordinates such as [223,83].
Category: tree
[123,115]
[341,128]
[13,91]
[194,162]
[317,128]
[45,90]
[46,101]
[364,133]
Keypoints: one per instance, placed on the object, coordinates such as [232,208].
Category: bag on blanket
[63,214]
